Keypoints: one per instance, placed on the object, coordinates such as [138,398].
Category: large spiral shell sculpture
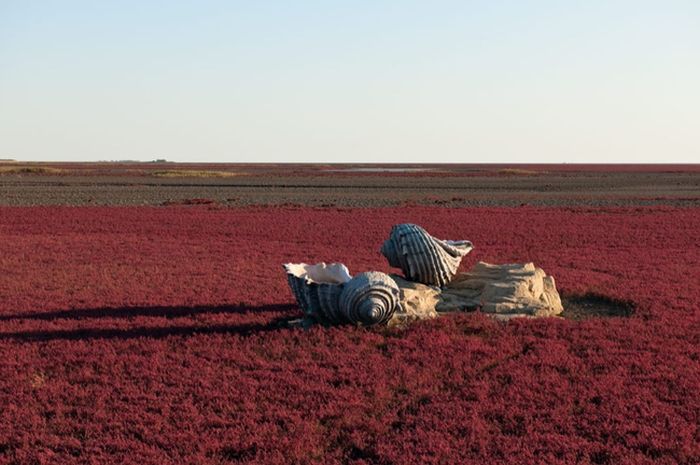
[369,299]
[423,258]
[329,295]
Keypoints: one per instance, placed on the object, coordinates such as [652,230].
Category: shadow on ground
[244,329]
[582,307]
[154,311]
[576,307]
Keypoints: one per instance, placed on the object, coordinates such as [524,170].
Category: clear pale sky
[363,80]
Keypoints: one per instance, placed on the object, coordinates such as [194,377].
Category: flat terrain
[348,186]
[151,334]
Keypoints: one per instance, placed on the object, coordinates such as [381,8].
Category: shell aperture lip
[334,273]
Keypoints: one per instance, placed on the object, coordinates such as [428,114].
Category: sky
[498,81]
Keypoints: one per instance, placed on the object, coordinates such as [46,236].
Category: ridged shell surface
[423,258]
[368,299]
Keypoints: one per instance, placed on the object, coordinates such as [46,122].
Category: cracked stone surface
[504,291]
[418,302]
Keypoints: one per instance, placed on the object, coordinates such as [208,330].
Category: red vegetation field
[152,336]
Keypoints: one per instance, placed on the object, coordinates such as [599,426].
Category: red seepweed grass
[153,335]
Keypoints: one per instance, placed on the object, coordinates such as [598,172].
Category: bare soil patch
[238,186]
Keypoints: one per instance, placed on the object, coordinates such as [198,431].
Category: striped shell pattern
[329,295]
[423,258]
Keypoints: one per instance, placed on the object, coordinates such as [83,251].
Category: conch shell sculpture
[329,295]
[423,258]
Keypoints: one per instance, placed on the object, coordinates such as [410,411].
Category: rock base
[504,291]
[501,291]
[418,302]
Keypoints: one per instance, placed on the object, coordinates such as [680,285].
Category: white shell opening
[464,247]
[333,273]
